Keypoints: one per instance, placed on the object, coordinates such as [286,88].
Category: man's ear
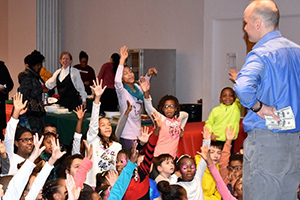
[258,24]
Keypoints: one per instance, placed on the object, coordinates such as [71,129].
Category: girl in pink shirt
[173,120]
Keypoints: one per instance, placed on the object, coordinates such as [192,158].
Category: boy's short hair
[49,134]
[216,144]
[227,88]
[236,157]
[20,130]
[50,125]
[161,158]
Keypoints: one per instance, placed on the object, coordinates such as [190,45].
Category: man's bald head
[267,11]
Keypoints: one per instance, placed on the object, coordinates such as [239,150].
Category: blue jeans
[271,165]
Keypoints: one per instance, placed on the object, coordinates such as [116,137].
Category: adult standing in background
[109,99]
[87,73]
[6,85]
[68,82]
[269,81]
[31,88]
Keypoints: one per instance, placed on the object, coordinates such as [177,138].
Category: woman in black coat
[31,88]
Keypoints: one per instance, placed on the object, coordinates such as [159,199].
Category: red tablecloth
[192,139]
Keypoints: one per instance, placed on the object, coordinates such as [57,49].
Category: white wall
[3,29]
[18,34]
[100,27]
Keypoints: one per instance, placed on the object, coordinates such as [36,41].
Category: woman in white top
[68,82]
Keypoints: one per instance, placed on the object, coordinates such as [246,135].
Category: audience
[101,168]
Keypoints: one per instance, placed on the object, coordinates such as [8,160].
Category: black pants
[109,100]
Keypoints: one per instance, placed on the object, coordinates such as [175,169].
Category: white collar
[63,69]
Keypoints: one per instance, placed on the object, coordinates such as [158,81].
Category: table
[66,124]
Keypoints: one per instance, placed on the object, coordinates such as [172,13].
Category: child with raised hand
[225,193]
[210,191]
[191,180]
[127,89]
[230,165]
[19,181]
[105,147]
[21,137]
[141,176]
[225,115]
[46,154]
[77,142]
[119,188]
[46,170]
[173,121]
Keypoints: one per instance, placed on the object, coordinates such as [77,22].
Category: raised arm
[184,116]
[77,135]
[224,159]
[119,73]
[94,123]
[19,181]
[84,166]
[145,85]
[118,190]
[150,146]
[221,187]
[46,170]
[19,108]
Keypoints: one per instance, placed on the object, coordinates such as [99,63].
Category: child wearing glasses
[173,120]
[21,137]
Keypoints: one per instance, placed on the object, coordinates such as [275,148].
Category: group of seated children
[144,165]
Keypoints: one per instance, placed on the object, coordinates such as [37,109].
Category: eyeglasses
[234,168]
[169,106]
[26,140]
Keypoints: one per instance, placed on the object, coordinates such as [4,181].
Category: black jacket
[4,79]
